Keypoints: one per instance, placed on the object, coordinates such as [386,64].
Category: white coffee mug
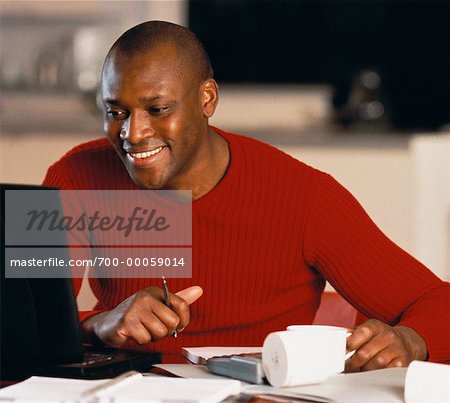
[341,334]
[304,354]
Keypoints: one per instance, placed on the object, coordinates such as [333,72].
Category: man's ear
[209,97]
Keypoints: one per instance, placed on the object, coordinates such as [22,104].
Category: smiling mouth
[146,154]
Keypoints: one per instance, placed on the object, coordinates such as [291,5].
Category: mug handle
[350,353]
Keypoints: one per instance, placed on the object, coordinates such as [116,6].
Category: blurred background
[358,89]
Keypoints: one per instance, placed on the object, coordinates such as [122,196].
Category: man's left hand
[379,345]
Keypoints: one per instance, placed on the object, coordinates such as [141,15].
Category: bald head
[146,37]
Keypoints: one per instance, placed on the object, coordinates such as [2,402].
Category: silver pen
[167,300]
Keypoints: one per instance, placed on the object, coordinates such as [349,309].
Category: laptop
[40,330]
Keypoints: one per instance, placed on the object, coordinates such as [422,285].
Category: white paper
[146,389]
[427,382]
[46,389]
[162,389]
[189,371]
[199,355]
[381,386]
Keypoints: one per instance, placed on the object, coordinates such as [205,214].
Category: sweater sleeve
[56,177]
[371,272]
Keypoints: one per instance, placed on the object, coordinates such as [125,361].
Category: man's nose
[137,127]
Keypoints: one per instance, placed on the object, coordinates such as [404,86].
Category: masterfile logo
[141,219]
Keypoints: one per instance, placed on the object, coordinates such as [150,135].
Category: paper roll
[292,358]
[427,382]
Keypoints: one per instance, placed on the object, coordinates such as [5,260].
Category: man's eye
[117,115]
[158,109]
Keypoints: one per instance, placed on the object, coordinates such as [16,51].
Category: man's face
[154,117]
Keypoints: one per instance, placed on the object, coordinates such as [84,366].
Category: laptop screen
[39,316]
[40,330]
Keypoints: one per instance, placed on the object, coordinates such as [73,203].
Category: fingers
[362,334]
[376,357]
[164,320]
[190,294]
[180,304]
[377,346]
[367,343]
[136,332]
[151,313]
[154,326]
[144,317]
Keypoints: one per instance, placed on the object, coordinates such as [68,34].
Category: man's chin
[145,177]
[146,183]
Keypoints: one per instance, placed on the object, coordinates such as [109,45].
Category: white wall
[430,156]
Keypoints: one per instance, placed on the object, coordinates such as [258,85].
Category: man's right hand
[142,317]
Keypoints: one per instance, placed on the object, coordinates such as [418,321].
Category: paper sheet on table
[385,385]
[369,387]
[45,389]
[199,355]
[189,371]
[163,390]
[148,389]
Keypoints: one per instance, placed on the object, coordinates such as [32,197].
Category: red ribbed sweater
[264,240]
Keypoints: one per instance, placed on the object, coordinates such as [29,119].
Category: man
[267,230]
